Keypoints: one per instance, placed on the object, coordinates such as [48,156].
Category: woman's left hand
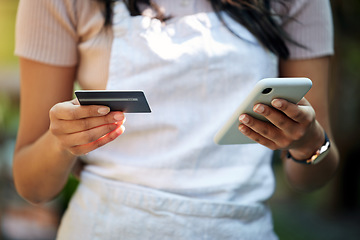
[291,126]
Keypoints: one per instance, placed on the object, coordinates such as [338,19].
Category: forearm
[41,169]
[305,177]
[308,177]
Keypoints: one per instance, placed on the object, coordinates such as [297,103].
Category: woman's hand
[291,126]
[81,129]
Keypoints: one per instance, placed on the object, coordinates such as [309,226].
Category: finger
[71,111]
[278,119]
[109,137]
[85,137]
[261,128]
[247,131]
[299,113]
[75,101]
[73,126]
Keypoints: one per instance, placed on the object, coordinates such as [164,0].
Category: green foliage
[9,115]
[7,29]
[68,191]
[352,61]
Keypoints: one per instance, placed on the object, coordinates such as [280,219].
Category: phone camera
[266,90]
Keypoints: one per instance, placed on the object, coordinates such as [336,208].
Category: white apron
[165,178]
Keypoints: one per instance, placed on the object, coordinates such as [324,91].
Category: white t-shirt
[70,32]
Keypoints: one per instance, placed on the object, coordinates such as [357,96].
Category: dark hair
[255,15]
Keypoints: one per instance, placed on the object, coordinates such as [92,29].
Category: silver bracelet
[319,155]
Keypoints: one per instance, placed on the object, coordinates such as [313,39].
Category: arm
[300,127]
[313,176]
[47,147]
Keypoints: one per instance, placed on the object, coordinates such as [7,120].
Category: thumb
[75,101]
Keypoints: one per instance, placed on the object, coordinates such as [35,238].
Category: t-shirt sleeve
[309,23]
[46,31]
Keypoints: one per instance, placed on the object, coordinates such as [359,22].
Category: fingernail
[259,108]
[118,116]
[103,110]
[120,130]
[242,128]
[244,119]
[277,103]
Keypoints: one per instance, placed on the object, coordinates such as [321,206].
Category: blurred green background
[330,213]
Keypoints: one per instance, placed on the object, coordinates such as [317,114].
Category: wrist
[59,150]
[311,142]
[317,156]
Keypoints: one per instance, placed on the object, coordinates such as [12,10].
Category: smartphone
[124,101]
[290,89]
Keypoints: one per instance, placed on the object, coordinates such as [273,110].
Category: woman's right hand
[82,129]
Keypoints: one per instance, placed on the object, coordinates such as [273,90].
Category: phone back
[291,89]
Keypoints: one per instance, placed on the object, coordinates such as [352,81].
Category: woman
[164,178]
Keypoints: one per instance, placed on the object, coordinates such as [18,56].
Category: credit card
[124,101]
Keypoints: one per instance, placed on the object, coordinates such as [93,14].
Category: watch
[319,155]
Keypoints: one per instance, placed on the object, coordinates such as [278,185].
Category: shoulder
[292,9]
[308,22]
[69,14]
[49,31]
